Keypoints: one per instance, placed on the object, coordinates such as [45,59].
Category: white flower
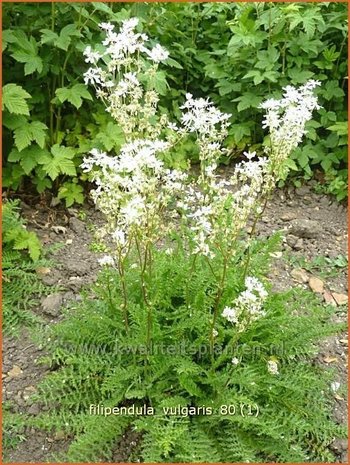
[119,237]
[201,115]
[131,77]
[230,314]
[106,260]
[215,333]
[249,155]
[272,367]
[254,285]
[335,386]
[129,24]
[93,76]
[106,26]
[235,361]
[157,53]
[91,56]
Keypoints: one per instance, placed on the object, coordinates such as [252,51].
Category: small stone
[291,240]
[43,270]
[339,445]
[302,191]
[59,229]
[335,386]
[59,436]
[305,228]
[69,241]
[28,392]
[288,216]
[299,245]
[316,285]
[276,254]
[34,409]
[330,359]
[329,299]
[51,304]
[72,211]
[76,225]
[341,299]
[15,372]
[300,276]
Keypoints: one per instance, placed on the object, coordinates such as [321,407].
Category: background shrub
[237,53]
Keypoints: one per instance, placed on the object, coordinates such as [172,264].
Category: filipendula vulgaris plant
[181,323]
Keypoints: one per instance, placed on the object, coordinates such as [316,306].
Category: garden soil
[313,225]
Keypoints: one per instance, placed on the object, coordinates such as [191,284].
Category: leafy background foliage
[235,53]
[22,257]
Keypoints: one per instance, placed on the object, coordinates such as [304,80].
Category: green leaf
[160,83]
[73,95]
[340,127]
[14,99]
[248,100]
[22,136]
[29,241]
[71,192]
[29,132]
[32,62]
[59,162]
[65,36]
[173,63]
[42,184]
[28,157]
[48,36]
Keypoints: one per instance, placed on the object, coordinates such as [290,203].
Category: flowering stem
[252,232]
[189,278]
[216,306]
[121,271]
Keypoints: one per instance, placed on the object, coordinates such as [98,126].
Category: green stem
[121,271]
[216,306]
[252,233]
[189,278]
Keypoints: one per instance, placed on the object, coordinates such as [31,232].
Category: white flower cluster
[210,125]
[286,119]
[120,88]
[219,215]
[202,116]
[134,190]
[248,306]
[272,367]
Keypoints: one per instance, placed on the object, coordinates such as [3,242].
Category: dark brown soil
[323,235]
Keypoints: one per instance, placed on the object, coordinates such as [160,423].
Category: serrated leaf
[61,152]
[32,61]
[73,95]
[67,167]
[28,158]
[48,36]
[28,164]
[65,37]
[38,130]
[22,137]
[72,193]
[42,184]
[14,156]
[11,121]
[29,241]
[29,132]
[34,64]
[14,99]
[60,162]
